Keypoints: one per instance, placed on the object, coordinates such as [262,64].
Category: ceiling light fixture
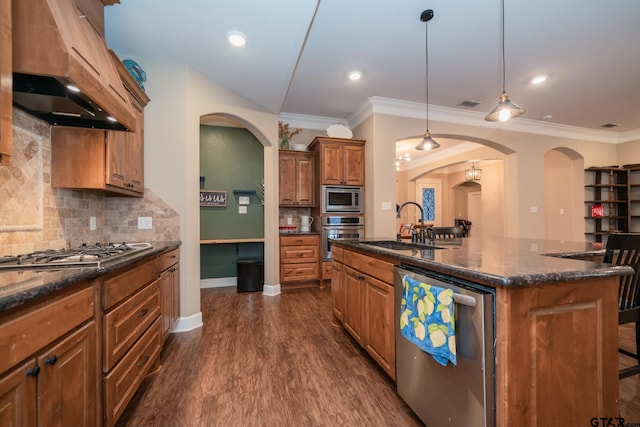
[505,109]
[237,39]
[473,174]
[427,142]
[355,75]
[539,79]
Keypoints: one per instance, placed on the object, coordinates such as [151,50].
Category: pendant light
[505,109]
[427,143]
[473,174]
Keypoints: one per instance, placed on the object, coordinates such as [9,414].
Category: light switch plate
[92,223]
[242,210]
[386,206]
[243,200]
[144,223]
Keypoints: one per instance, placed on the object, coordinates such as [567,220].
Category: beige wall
[180,96]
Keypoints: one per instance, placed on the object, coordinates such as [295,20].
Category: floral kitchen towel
[427,319]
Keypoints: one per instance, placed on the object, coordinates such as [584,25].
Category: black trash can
[250,273]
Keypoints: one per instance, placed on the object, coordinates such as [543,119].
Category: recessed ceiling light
[355,75]
[539,79]
[236,38]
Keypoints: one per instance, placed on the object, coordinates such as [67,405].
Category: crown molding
[417,110]
[310,122]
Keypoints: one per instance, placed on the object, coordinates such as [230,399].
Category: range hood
[62,69]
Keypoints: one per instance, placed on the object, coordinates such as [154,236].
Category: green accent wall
[230,159]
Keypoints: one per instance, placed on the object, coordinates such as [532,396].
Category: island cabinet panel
[564,334]
[18,397]
[362,296]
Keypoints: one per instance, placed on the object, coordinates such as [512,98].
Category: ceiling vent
[610,125]
[469,103]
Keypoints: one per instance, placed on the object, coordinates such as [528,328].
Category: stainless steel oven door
[339,232]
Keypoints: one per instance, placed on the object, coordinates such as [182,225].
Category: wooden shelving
[608,187]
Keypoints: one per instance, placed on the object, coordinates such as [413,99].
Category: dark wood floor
[278,361]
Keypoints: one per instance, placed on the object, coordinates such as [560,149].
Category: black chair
[624,249]
[447,232]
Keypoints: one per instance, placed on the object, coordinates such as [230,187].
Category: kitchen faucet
[414,237]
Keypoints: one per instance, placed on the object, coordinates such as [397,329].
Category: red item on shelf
[597,211]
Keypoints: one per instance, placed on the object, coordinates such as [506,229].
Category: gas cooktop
[81,256]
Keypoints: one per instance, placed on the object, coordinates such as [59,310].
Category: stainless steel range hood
[63,72]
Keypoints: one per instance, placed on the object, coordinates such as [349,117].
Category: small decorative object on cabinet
[607,201]
[285,135]
[297,179]
[341,161]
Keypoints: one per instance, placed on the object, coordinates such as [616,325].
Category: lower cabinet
[299,258]
[132,334]
[362,295]
[169,290]
[56,384]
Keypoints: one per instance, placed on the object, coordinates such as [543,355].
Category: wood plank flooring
[278,361]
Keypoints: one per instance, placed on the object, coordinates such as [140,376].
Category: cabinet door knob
[51,360]
[33,372]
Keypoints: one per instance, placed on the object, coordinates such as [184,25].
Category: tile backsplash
[35,216]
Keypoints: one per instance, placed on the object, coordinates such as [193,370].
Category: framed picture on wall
[213,198]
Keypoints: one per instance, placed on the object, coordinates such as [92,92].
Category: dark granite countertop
[501,261]
[19,287]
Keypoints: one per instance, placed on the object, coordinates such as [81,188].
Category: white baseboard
[221,282]
[271,290]
[186,324]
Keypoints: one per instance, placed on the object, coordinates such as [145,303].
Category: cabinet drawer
[337,253]
[375,267]
[296,272]
[121,383]
[119,287]
[124,325]
[327,269]
[26,334]
[298,254]
[299,240]
[168,259]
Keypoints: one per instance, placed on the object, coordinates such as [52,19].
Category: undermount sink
[399,246]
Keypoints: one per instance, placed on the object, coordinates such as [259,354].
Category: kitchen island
[555,322]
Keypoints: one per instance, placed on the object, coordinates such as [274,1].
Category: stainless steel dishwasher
[460,395]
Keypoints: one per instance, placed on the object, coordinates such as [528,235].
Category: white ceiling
[298,53]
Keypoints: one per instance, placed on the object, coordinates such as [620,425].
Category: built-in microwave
[342,199]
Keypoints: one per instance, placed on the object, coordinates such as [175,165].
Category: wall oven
[340,228]
[342,200]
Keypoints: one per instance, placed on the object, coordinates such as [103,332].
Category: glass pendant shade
[427,143]
[505,110]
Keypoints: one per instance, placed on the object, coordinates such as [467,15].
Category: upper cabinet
[296,183]
[5,82]
[104,160]
[341,161]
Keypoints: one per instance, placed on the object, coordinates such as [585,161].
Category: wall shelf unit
[607,189]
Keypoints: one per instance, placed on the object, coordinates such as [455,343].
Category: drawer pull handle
[33,372]
[143,360]
[143,312]
[51,360]
[173,256]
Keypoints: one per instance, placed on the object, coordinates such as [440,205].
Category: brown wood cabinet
[299,258]
[48,371]
[362,294]
[341,161]
[6,88]
[297,178]
[132,333]
[169,290]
